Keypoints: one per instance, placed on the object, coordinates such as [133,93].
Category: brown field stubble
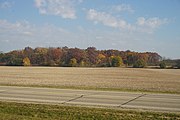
[154,80]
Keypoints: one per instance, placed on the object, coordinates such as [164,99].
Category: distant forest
[75,57]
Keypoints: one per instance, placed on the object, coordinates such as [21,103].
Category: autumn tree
[28,52]
[153,58]
[40,56]
[80,55]
[110,53]
[84,57]
[131,58]
[76,53]
[54,56]
[73,62]
[26,61]
[92,55]
[143,56]
[13,58]
[101,60]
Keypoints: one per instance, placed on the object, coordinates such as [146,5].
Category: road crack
[132,100]
[73,99]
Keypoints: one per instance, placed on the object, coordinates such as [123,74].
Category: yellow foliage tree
[26,61]
[82,63]
[73,62]
[101,56]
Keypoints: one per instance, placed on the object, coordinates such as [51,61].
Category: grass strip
[19,111]
[93,88]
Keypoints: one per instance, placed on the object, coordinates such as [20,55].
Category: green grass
[22,111]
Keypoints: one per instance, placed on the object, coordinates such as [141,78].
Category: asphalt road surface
[162,102]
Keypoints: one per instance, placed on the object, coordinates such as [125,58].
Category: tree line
[76,57]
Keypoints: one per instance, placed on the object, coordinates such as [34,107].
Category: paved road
[163,102]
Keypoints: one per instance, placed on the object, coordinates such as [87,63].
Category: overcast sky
[137,25]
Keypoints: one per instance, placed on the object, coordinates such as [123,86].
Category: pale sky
[136,25]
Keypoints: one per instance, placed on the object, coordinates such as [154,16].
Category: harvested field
[153,80]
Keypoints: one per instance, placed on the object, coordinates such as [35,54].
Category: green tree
[162,65]
[116,61]
[15,62]
[73,62]
[178,63]
[140,63]
[26,61]
[12,60]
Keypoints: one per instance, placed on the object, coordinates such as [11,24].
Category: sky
[136,25]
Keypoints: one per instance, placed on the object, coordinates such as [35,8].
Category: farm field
[125,79]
